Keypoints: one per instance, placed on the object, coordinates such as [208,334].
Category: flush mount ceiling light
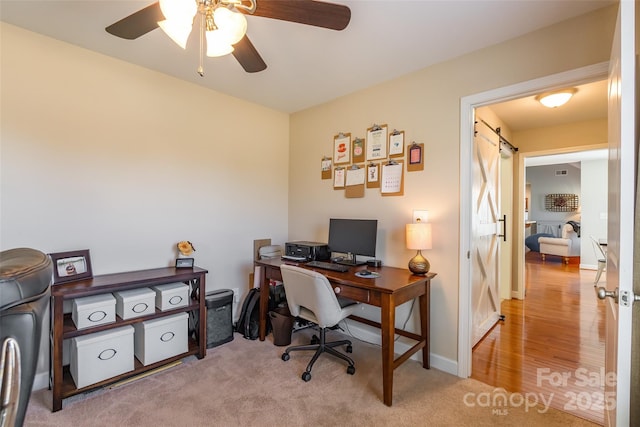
[221,24]
[557,98]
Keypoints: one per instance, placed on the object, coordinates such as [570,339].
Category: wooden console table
[62,326]
[395,286]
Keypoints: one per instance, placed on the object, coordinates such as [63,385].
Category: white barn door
[485,244]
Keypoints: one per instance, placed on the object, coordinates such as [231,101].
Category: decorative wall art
[396,143]
[342,148]
[325,167]
[377,142]
[358,153]
[373,175]
[561,202]
[376,161]
[415,157]
[338,178]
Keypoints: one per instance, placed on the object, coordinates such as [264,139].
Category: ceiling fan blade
[248,56]
[138,23]
[309,12]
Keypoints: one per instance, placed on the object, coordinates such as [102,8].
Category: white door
[622,180]
[485,243]
[506,207]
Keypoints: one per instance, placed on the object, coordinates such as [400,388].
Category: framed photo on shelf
[71,266]
[184,262]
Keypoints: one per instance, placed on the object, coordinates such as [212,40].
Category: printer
[309,251]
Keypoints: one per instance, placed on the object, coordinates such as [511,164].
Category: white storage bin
[161,338]
[135,303]
[94,310]
[171,295]
[96,357]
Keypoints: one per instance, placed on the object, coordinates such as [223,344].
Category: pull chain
[201,66]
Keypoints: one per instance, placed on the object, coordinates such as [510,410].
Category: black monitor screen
[355,236]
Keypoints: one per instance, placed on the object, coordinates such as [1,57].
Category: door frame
[468,104]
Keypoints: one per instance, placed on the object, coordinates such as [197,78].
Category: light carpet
[245,383]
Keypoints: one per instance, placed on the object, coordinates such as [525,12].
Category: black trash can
[282,325]
[219,317]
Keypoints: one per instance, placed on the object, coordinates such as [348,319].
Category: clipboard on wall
[357,148]
[354,185]
[342,148]
[392,178]
[373,175]
[396,143]
[377,142]
[415,157]
[325,167]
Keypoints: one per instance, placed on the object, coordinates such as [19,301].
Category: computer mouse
[365,273]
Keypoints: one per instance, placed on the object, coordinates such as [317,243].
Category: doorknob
[604,293]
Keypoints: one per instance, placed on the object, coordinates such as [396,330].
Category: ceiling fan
[308,12]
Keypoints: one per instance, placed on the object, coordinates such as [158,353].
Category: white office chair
[601,256]
[311,297]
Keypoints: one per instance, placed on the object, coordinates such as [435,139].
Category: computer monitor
[354,237]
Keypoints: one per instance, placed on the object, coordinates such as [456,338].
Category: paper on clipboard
[338,178]
[355,176]
[391,178]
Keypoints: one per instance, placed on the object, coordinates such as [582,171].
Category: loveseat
[566,246]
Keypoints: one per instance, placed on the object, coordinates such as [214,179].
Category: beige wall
[97,153]
[592,132]
[426,105]
[100,154]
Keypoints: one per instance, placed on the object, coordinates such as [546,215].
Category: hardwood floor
[550,347]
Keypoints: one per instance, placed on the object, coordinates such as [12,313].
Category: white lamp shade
[179,10]
[232,24]
[217,44]
[418,236]
[557,98]
[178,31]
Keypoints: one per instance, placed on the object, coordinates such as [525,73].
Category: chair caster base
[306,376]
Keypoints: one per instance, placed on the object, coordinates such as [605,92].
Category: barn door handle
[504,227]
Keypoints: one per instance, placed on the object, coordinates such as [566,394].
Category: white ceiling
[307,66]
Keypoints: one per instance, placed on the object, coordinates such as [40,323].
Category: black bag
[249,321]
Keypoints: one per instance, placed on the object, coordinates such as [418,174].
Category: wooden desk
[395,286]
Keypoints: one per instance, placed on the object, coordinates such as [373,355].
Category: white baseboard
[372,335]
[41,381]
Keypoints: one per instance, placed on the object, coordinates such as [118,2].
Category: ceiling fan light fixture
[177,31]
[217,44]
[557,98]
[179,10]
[233,24]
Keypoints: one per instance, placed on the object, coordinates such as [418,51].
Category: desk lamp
[419,237]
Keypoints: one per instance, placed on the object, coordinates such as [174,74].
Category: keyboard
[328,266]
